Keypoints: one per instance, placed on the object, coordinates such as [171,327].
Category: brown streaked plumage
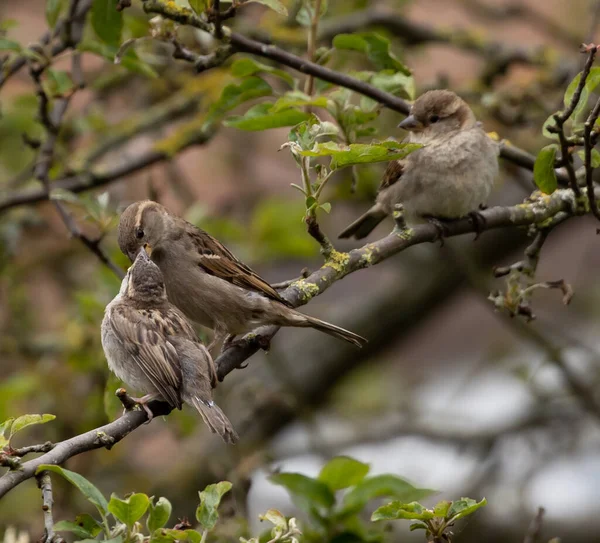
[206,281]
[449,177]
[150,345]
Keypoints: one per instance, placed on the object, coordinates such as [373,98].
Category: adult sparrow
[150,346]
[450,177]
[206,281]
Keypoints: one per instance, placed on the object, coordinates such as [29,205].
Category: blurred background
[449,394]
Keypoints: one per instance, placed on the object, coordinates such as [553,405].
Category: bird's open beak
[410,123]
[148,249]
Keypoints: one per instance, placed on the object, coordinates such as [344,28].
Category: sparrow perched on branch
[450,177]
[206,281]
[150,345]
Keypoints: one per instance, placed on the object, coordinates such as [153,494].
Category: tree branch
[45,485]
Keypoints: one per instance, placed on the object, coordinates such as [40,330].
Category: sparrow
[450,177]
[151,346]
[206,281]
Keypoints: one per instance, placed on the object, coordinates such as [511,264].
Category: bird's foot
[143,403]
[440,227]
[479,223]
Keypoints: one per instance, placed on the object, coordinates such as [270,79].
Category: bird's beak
[143,254]
[410,123]
[147,249]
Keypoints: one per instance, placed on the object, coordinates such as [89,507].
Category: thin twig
[45,485]
[561,118]
[285,284]
[588,145]
[535,528]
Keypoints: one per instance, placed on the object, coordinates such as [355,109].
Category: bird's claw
[479,223]
[441,230]
[143,403]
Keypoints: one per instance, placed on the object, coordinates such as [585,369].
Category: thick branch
[105,436]
[301,292]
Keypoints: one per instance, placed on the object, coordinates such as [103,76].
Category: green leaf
[3,428]
[233,95]
[310,202]
[107,22]
[595,157]
[73,527]
[361,153]
[549,122]
[305,491]
[261,117]
[441,509]
[275,5]
[418,525]
[298,99]
[170,536]
[92,494]
[326,207]
[397,510]
[28,420]
[276,518]
[199,6]
[159,514]
[10,45]
[591,83]
[59,82]
[245,67]
[463,507]
[129,511]
[396,83]
[207,513]
[389,486]
[89,523]
[342,471]
[53,9]
[375,46]
[544,174]
[307,132]
[306,12]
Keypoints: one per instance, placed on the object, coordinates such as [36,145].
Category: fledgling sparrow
[450,177]
[206,281]
[150,346]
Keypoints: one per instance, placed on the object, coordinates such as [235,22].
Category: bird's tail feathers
[335,331]
[363,226]
[215,419]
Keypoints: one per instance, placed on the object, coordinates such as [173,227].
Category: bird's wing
[142,335]
[214,258]
[393,172]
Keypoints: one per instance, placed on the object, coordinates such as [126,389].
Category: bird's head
[437,114]
[142,224]
[144,281]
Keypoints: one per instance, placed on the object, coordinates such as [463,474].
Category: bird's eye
[140,233]
[434,119]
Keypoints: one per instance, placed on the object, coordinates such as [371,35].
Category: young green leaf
[275,5]
[441,509]
[375,46]
[463,507]
[361,153]
[28,420]
[107,22]
[261,117]
[159,514]
[92,494]
[306,492]
[244,67]
[59,82]
[233,95]
[129,511]
[53,9]
[595,157]
[342,471]
[207,512]
[74,528]
[9,45]
[298,99]
[549,122]
[591,83]
[3,428]
[199,6]
[379,486]
[129,60]
[397,510]
[544,174]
